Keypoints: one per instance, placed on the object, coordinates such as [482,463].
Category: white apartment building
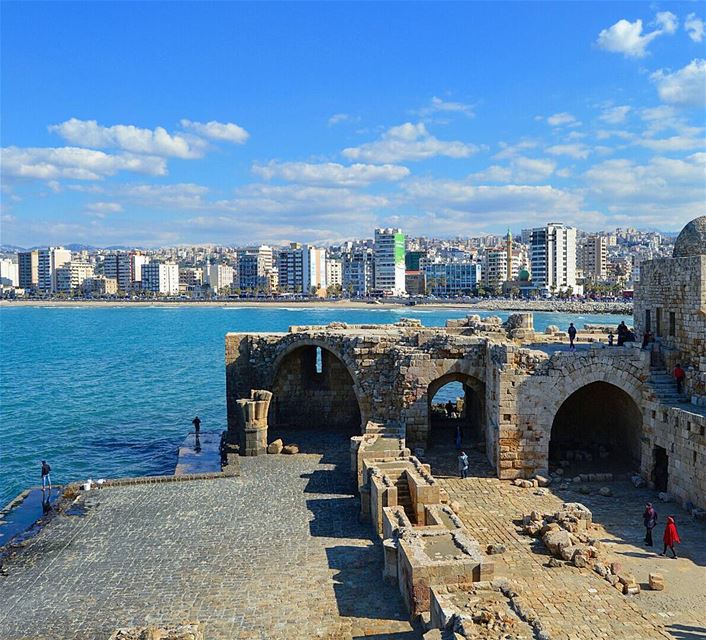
[553,257]
[256,269]
[73,274]
[28,267]
[9,273]
[334,272]
[219,276]
[137,261]
[358,270]
[48,261]
[314,268]
[161,277]
[389,261]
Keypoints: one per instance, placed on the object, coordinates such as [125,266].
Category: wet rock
[605,491]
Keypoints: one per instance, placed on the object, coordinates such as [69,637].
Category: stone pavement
[276,553]
[576,604]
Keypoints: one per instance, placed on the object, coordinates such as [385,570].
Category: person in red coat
[671,537]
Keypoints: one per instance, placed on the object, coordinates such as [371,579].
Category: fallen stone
[656,581]
[434,634]
[605,491]
[600,569]
[543,481]
[627,579]
[665,497]
[276,446]
[631,590]
[495,549]
[638,481]
[612,578]
[185,631]
[616,568]
[580,559]
[585,489]
[553,563]
[555,539]
[290,449]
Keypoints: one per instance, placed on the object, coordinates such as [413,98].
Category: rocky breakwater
[559,306]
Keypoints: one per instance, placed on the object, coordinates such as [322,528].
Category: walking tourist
[572,336]
[671,537]
[463,464]
[650,520]
[197,424]
[646,339]
[611,337]
[622,333]
[449,408]
[679,375]
[46,478]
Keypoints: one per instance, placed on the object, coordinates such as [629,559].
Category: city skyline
[239,124]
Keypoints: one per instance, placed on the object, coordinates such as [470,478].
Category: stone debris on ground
[275,446]
[184,631]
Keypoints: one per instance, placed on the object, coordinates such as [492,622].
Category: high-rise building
[71,276]
[9,273]
[137,261]
[390,261]
[28,267]
[118,265]
[219,277]
[161,277]
[48,261]
[314,269]
[358,270]
[595,258]
[334,272]
[553,257]
[255,269]
[290,266]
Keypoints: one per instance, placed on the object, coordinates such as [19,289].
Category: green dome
[524,275]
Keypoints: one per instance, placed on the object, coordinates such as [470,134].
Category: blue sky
[169,123]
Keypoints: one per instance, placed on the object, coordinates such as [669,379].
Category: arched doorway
[456,406]
[597,429]
[313,388]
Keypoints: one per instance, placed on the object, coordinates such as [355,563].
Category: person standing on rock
[572,336]
[671,537]
[46,478]
[650,520]
[197,425]
[679,375]
[463,464]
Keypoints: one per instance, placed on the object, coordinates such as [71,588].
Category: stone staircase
[404,499]
[664,387]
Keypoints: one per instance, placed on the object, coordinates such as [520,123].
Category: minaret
[509,255]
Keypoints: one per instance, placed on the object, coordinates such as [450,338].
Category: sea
[104,392]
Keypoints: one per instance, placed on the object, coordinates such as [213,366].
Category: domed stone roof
[692,239]
[524,275]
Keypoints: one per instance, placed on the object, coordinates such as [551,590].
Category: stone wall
[672,292]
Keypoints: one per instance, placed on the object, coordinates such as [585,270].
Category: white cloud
[104,207]
[437,105]
[663,191]
[578,151]
[331,173]
[338,118]
[563,119]
[158,142]
[51,163]
[694,27]
[627,37]
[223,131]
[687,86]
[178,196]
[508,151]
[615,115]
[520,169]
[408,142]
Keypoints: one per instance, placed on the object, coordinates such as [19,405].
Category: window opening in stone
[319,361]
[672,324]
[658,321]
[648,320]
[456,410]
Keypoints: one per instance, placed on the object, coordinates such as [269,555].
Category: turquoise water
[105,392]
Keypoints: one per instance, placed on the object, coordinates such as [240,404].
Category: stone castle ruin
[527,403]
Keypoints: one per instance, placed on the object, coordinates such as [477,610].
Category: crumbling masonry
[533,404]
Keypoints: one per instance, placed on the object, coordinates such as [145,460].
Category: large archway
[456,411]
[597,429]
[313,388]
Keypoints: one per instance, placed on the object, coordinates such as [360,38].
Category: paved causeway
[277,553]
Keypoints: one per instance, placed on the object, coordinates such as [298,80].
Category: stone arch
[600,412]
[302,395]
[472,418]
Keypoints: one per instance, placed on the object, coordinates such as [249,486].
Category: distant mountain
[10,248]
[80,247]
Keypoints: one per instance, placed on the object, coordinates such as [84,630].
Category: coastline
[558,306]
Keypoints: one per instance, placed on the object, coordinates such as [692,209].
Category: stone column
[253,422]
